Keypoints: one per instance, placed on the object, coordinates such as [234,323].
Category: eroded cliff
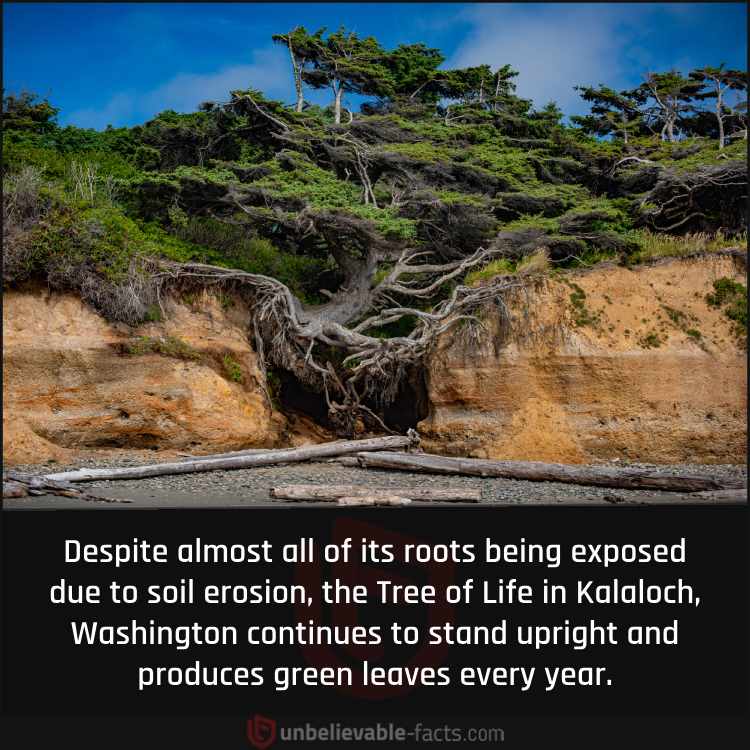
[607,363]
[72,381]
[612,362]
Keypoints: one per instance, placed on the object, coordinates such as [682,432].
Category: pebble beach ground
[250,487]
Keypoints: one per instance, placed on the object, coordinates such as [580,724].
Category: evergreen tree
[301,46]
[344,62]
[27,114]
[413,68]
[613,112]
[504,96]
[717,82]
[669,98]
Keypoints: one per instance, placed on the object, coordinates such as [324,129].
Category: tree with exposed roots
[332,346]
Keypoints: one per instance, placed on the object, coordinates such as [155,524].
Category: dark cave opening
[410,406]
[294,396]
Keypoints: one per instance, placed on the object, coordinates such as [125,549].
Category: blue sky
[120,63]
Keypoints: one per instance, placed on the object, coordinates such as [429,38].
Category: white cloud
[268,72]
[554,47]
[118,109]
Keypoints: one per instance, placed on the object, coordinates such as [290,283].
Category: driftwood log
[533,471]
[266,458]
[230,454]
[18,485]
[322,493]
[374,500]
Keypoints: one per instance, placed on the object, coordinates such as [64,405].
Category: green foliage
[650,340]
[27,117]
[453,155]
[731,296]
[214,242]
[498,267]
[153,314]
[412,68]
[233,369]
[582,316]
[168,346]
[103,239]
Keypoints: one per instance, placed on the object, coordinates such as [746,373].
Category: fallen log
[344,461]
[14,489]
[16,485]
[718,497]
[229,454]
[267,458]
[533,471]
[374,500]
[315,492]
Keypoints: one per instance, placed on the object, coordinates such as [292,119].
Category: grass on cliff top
[651,247]
[654,246]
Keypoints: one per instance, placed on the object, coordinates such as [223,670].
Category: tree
[505,87]
[550,115]
[466,85]
[669,96]
[301,46]
[717,82]
[612,112]
[413,67]
[346,63]
[28,114]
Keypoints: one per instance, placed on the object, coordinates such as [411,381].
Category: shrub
[168,346]
[650,340]
[732,297]
[233,369]
[537,262]
[499,267]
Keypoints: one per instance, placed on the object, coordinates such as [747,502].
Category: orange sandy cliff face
[606,363]
[68,386]
[613,375]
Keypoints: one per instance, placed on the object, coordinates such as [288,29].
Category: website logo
[261,731]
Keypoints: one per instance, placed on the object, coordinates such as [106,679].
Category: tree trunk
[338,91]
[670,130]
[598,476]
[297,70]
[720,120]
[269,458]
[314,492]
